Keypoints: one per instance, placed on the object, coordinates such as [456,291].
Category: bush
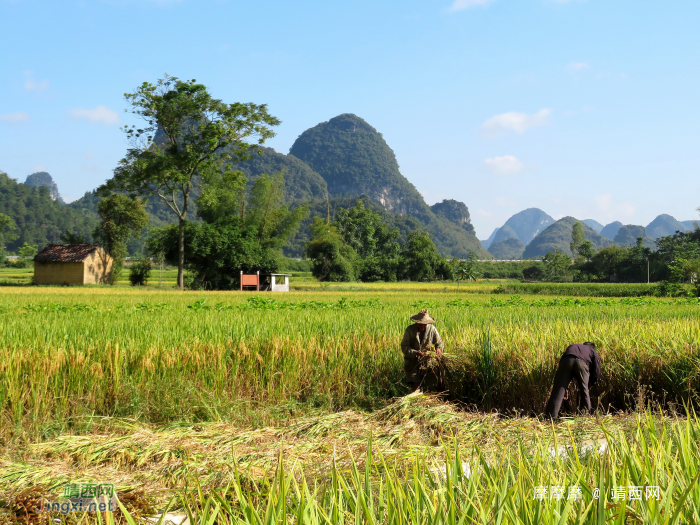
[17,263]
[140,272]
[533,273]
[671,289]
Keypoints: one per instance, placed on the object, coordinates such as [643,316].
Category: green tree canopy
[236,235]
[6,235]
[198,134]
[331,258]
[578,237]
[365,231]
[421,261]
[557,266]
[608,260]
[368,244]
[268,213]
[38,219]
[27,251]
[121,218]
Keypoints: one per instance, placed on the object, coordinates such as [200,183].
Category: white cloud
[504,201]
[506,165]
[458,5]
[99,114]
[14,118]
[31,85]
[614,210]
[514,121]
[577,66]
[38,167]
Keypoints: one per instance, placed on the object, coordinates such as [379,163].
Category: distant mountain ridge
[354,159]
[334,164]
[557,236]
[487,242]
[526,225]
[593,224]
[523,226]
[610,230]
[628,234]
[664,225]
[455,212]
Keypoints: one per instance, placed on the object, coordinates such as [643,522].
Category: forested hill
[39,219]
[557,236]
[525,226]
[300,181]
[350,150]
[354,159]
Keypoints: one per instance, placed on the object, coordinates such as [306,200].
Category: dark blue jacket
[589,356]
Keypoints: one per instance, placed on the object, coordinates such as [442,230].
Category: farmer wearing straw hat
[416,338]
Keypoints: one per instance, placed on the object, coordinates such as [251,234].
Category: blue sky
[582,107]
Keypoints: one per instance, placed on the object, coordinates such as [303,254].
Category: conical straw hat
[422,317]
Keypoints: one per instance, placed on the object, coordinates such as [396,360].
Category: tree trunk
[181,256]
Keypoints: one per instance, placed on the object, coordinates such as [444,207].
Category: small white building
[279,282]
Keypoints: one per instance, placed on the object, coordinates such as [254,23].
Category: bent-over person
[581,363]
[416,338]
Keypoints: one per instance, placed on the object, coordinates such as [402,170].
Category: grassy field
[153,389]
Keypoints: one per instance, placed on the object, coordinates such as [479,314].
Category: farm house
[72,264]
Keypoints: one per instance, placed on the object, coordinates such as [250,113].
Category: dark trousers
[569,368]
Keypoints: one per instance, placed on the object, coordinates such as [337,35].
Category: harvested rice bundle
[441,371]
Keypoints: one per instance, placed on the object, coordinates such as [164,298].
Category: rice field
[269,404]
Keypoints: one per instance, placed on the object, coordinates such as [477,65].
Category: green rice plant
[145,354]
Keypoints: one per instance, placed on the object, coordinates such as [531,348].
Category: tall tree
[366,232]
[121,218]
[557,265]
[331,258]
[608,260]
[578,237]
[421,260]
[6,227]
[197,135]
[268,213]
[466,269]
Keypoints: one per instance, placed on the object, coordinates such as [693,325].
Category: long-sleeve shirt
[589,356]
[413,341]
